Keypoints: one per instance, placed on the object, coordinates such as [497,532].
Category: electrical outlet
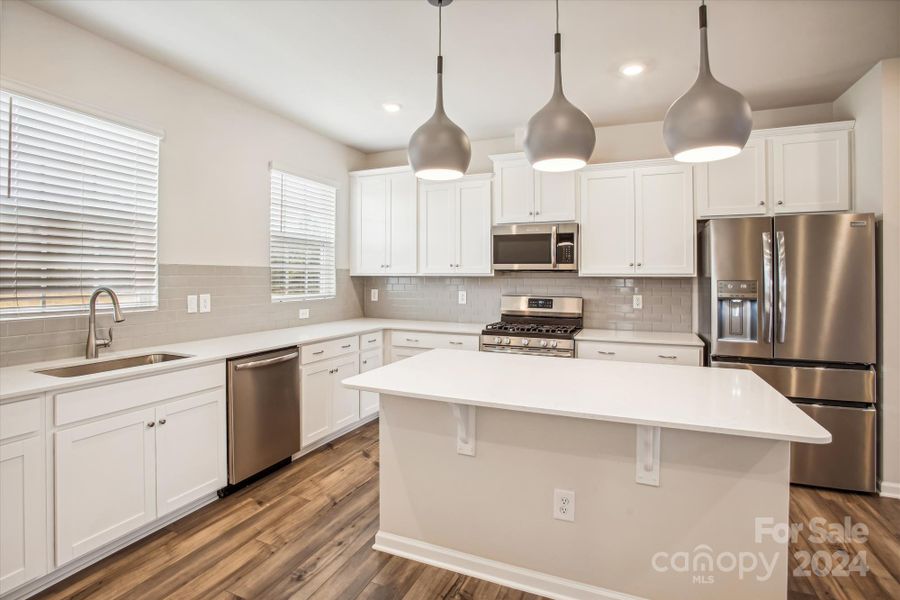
[373,294]
[192,303]
[303,313]
[564,505]
[637,301]
[205,303]
[462,297]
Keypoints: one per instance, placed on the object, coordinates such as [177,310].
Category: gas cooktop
[544,325]
[532,329]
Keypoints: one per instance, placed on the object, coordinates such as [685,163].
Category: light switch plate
[373,294]
[192,303]
[637,301]
[205,303]
[462,296]
[303,313]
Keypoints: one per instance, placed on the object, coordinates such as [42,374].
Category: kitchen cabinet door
[190,449]
[473,227]
[554,196]
[437,206]
[607,222]
[402,225]
[664,221]
[316,390]
[368,401]
[344,401]
[734,186]
[372,235]
[23,513]
[811,171]
[105,481]
[514,192]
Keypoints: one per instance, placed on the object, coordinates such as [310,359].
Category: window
[78,208]
[301,238]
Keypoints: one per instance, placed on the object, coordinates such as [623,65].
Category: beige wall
[618,142]
[213,195]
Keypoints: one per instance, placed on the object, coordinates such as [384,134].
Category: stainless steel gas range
[542,325]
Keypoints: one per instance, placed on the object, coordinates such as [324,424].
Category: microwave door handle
[767,286]
[553,246]
[782,286]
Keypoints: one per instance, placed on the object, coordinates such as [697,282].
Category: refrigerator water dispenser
[737,304]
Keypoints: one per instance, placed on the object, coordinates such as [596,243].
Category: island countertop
[722,401]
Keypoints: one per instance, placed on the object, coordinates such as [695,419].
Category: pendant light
[559,137]
[439,150]
[710,121]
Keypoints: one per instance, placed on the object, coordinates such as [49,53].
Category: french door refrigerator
[793,299]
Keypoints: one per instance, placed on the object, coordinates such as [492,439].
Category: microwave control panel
[565,249]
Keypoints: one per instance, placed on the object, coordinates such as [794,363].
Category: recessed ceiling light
[391,107]
[631,69]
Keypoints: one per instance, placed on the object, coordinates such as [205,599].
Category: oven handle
[553,246]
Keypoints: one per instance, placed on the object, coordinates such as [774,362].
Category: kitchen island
[582,479]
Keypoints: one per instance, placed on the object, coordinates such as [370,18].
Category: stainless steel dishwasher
[263,411]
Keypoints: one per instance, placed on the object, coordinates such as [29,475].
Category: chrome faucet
[94,344]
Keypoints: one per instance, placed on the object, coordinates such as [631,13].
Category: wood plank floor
[306,532]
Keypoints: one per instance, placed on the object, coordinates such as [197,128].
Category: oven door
[524,247]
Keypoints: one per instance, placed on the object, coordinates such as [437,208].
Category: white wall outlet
[564,505]
[303,313]
[205,303]
[373,294]
[192,303]
[461,298]
[637,301]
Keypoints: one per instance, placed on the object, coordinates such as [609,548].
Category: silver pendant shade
[439,149]
[559,137]
[710,121]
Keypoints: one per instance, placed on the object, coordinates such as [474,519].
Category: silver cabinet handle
[606,353]
[268,361]
[782,285]
[767,286]
[411,340]
[347,346]
[373,340]
[162,421]
[151,424]
[318,352]
[669,356]
[456,343]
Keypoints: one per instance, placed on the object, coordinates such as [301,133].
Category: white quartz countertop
[21,380]
[667,338]
[723,401]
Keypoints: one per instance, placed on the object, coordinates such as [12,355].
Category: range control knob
[543,343]
[526,341]
[554,344]
[505,340]
[498,340]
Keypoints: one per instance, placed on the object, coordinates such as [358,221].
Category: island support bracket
[465,428]
[647,455]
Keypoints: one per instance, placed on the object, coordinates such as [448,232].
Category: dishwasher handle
[268,361]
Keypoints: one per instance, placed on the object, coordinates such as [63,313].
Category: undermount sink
[114,364]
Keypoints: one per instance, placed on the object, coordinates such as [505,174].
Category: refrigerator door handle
[767,286]
[782,286]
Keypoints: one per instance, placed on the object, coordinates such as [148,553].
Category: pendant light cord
[557,16]
[556,37]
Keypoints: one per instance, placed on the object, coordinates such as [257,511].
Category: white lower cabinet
[368,401]
[643,353]
[23,515]
[105,481]
[326,405]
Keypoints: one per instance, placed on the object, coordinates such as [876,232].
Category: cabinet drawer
[70,407]
[370,360]
[414,339]
[19,418]
[370,340]
[645,353]
[330,349]
[398,353]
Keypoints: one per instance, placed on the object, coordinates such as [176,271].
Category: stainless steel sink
[114,364]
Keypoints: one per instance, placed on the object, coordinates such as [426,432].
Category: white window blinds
[301,238]
[78,210]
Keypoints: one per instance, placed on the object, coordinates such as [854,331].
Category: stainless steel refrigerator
[793,299]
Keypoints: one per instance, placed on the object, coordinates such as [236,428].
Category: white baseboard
[526,580]
[72,567]
[890,489]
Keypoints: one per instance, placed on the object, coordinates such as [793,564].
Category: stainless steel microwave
[535,247]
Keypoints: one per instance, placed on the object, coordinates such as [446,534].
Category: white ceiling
[330,64]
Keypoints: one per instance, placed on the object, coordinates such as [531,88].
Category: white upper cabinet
[383,223]
[637,220]
[734,186]
[523,195]
[786,170]
[455,227]
[811,171]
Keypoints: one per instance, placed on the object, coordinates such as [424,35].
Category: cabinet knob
[630,264]
[151,424]
[639,264]
[537,212]
[781,202]
[530,213]
[162,421]
[762,202]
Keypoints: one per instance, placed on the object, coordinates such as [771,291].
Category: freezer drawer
[813,383]
[849,461]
